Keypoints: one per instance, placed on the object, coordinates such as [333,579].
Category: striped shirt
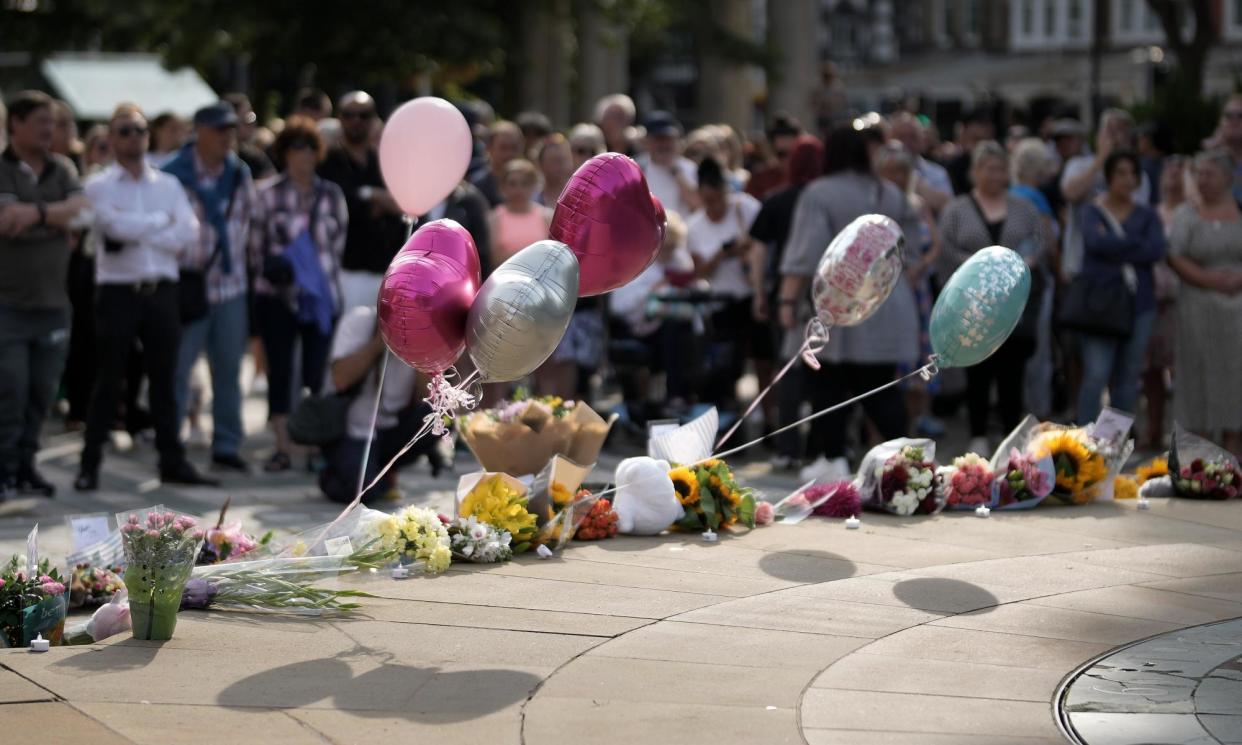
[285,213]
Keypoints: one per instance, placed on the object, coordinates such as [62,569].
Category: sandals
[278,462]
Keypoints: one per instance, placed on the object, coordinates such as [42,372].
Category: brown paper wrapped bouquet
[520,437]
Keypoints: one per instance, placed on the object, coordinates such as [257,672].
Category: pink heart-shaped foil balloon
[606,215]
[425,296]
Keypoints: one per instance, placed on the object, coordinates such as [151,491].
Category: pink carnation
[153,533]
[764,513]
[2,582]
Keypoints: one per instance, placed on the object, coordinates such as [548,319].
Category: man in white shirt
[146,220]
[670,176]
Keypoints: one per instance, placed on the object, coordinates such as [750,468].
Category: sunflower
[1154,470]
[1125,487]
[686,484]
[1078,468]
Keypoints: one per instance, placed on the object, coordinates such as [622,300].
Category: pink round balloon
[607,216]
[424,152]
[425,296]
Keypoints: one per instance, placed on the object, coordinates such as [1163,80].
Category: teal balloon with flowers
[979,307]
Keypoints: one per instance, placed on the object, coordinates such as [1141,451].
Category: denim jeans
[1116,364]
[223,335]
[33,346]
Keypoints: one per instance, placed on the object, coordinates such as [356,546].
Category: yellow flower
[1077,467]
[710,463]
[493,501]
[1125,487]
[439,559]
[1154,470]
[560,494]
[686,484]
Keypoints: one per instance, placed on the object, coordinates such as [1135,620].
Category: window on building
[1125,16]
[1074,19]
[1028,18]
[1050,19]
[974,19]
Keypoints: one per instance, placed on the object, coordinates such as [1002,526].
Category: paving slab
[54,722]
[152,724]
[14,689]
[871,672]
[825,708]
[1028,619]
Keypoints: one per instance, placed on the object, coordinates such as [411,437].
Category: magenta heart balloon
[607,217]
[426,295]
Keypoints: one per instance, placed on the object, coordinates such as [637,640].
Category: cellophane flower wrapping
[1022,482]
[160,549]
[91,586]
[711,497]
[967,483]
[1081,464]
[500,500]
[109,619]
[31,603]
[559,504]
[228,541]
[1201,470]
[355,536]
[899,477]
[521,436]
[830,499]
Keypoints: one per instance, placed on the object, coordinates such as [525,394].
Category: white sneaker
[980,446]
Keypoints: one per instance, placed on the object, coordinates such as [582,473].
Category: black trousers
[1007,369]
[339,479]
[280,330]
[150,315]
[838,382]
[79,377]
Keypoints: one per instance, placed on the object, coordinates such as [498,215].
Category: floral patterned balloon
[858,271]
[979,307]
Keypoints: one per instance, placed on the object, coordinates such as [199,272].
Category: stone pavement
[944,630]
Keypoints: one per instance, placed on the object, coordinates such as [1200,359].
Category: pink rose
[765,513]
[153,534]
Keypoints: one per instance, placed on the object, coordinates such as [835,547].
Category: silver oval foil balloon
[521,312]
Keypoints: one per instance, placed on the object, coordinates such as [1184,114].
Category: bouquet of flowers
[1154,479]
[1080,465]
[229,541]
[500,501]
[418,534]
[1125,487]
[90,586]
[899,477]
[836,499]
[600,522]
[109,619]
[967,483]
[273,585]
[711,497]
[560,506]
[1200,469]
[160,549]
[31,604]
[521,436]
[1023,482]
[477,542]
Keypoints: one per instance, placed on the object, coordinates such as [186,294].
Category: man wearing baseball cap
[670,176]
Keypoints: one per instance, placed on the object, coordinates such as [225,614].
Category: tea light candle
[983,511]
[400,573]
[1143,504]
[39,644]
[709,535]
[853,523]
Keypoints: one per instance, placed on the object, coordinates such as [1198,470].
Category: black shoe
[30,481]
[230,463]
[86,481]
[184,473]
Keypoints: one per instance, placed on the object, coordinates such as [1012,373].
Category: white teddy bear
[646,503]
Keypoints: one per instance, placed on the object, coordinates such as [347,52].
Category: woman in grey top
[989,215]
[860,357]
[1205,249]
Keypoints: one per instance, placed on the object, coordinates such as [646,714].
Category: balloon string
[816,338]
[925,372]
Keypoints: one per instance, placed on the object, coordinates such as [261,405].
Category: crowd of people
[128,256]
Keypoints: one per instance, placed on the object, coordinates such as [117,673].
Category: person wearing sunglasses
[145,220]
[376,231]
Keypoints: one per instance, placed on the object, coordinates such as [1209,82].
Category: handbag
[1100,306]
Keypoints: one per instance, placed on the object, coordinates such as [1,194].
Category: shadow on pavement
[131,655]
[940,595]
[422,694]
[807,566]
